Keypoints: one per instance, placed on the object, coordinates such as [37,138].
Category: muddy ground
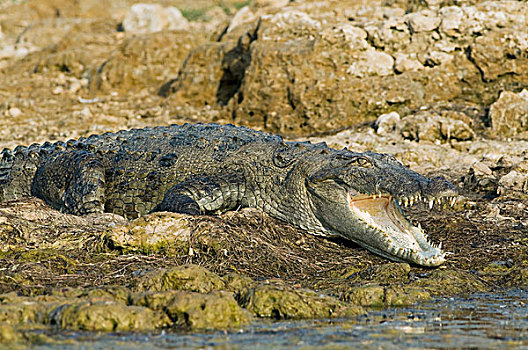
[440,85]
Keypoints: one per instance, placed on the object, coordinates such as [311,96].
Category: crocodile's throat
[397,239]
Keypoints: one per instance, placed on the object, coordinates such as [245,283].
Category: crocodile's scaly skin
[206,169]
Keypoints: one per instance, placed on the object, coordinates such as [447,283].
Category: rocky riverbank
[438,84]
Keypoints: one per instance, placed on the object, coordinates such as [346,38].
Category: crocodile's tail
[17,169]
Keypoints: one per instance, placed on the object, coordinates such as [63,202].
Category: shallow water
[482,321]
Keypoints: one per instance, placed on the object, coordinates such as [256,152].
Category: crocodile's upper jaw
[394,236]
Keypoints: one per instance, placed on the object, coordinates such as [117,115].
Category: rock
[372,62]
[406,62]
[426,126]
[386,123]
[482,169]
[497,52]
[435,58]
[509,114]
[518,277]
[282,302]
[167,232]
[217,310]
[244,15]
[423,21]
[151,18]
[513,181]
[392,33]
[21,311]
[14,112]
[451,282]
[481,178]
[144,61]
[238,284]
[379,296]
[386,273]
[452,18]
[107,316]
[9,334]
[186,277]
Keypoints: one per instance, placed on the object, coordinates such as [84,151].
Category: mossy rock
[373,295]
[185,277]
[451,282]
[21,312]
[380,296]
[167,233]
[111,293]
[216,310]
[240,285]
[382,274]
[107,316]
[283,302]
[9,334]
[518,277]
[115,293]
[153,300]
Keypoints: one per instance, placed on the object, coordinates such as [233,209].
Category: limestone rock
[424,21]
[514,181]
[386,123]
[144,61]
[406,62]
[426,126]
[499,52]
[509,114]
[244,15]
[372,62]
[151,18]
[452,18]
[168,232]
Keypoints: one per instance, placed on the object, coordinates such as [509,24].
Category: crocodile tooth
[440,245]
[453,201]
[405,201]
[431,203]
[411,201]
[420,227]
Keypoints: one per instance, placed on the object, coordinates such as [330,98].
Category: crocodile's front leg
[205,195]
[71,181]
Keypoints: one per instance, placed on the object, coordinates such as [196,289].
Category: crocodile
[209,168]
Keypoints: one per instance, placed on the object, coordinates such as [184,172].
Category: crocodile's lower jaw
[393,236]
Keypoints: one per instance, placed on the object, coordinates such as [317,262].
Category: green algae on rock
[451,282]
[283,302]
[215,310]
[107,316]
[381,296]
[186,277]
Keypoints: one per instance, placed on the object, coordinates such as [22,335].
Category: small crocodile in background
[209,168]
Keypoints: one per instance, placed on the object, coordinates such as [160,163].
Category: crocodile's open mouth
[401,241]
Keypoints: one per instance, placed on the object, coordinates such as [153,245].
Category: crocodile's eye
[363,162]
